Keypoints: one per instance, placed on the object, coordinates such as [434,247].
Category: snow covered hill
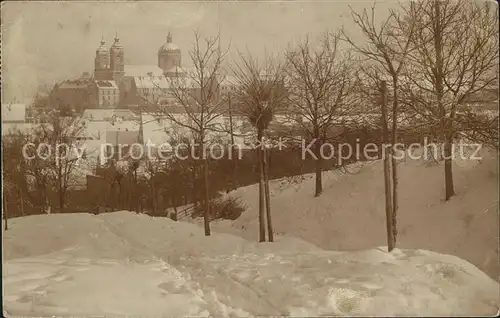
[122,263]
[350,214]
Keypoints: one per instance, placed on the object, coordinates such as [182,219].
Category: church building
[117,85]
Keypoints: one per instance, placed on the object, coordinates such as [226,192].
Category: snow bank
[122,263]
[350,215]
[121,235]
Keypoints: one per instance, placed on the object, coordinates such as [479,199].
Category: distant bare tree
[320,85]
[12,175]
[260,94]
[13,171]
[454,55]
[36,171]
[65,151]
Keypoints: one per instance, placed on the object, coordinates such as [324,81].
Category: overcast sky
[53,41]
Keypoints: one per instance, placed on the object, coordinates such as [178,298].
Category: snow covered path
[84,287]
[125,264]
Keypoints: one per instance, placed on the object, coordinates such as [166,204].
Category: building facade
[104,94]
[72,96]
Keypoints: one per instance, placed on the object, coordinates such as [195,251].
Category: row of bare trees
[435,54]
[42,166]
[419,64]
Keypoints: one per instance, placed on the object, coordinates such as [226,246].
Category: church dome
[169,46]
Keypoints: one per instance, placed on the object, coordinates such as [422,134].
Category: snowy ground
[350,214]
[121,264]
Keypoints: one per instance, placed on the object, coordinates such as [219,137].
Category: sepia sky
[52,41]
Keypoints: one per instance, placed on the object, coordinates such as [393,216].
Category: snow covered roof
[13,112]
[176,70]
[142,70]
[122,137]
[14,128]
[107,114]
[106,84]
[159,82]
[128,125]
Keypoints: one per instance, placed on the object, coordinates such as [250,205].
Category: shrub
[226,208]
[173,216]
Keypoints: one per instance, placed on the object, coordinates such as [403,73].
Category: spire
[169,37]
[102,40]
[117,39]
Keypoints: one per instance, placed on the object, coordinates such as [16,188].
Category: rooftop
[106,84]
[142,70]
[143,82]
[13,112]
[107,114]
[74,84]
[122,137]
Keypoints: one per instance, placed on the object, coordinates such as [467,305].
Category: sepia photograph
[294,158]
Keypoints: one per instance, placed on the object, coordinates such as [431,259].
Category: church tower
[169,55]
[117,63]
[101,62]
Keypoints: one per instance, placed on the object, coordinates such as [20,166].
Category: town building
[14,119]
[72,96]
[104,94]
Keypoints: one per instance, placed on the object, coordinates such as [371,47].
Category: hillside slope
[350,214]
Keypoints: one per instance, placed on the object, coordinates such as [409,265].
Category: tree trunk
[318,164]
[393,159]
[130,194]
[21,196]
[5,216]
[195,184]
[448,170]
[445,139]
[206,215]
[153,197]
[262,221]
[387,172]
[61,201]
[175,211]
[234,182]
[119,195]
[137,194]
[268,196]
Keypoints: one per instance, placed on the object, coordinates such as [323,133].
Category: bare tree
[13,172]
[196,93]
[260,94]
[386,49]
[455,51]
[320,85]
[65,152]
[36,172]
